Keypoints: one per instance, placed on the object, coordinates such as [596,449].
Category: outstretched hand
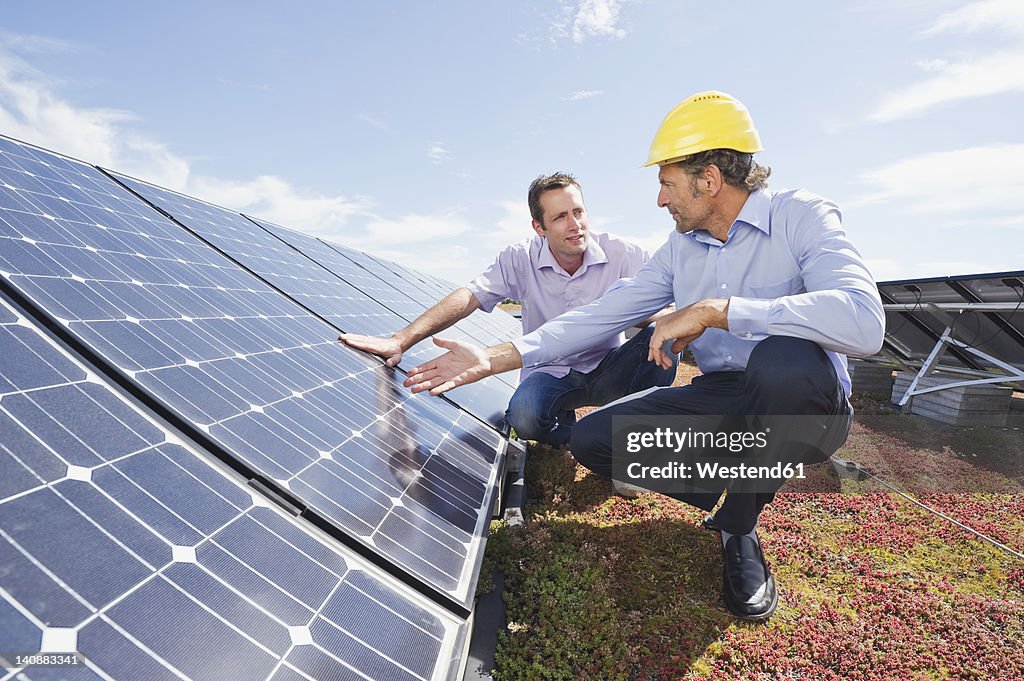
[388,348]
[463,363]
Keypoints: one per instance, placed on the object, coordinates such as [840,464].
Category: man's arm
[467,363]
[841,310]
[619,308]
[655,317]
[463,363]
[455,306]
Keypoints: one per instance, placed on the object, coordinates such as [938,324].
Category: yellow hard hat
[706,120]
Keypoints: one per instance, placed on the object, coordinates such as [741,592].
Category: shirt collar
[594,255]
[756,212]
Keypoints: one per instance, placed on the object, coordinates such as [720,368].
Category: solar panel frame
[912,334]
[180,548]
[111,219]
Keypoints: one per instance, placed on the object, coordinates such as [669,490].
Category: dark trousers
[543,406]
[784,376]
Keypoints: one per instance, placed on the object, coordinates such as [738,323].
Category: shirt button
[725,286]
[749,335]
[728,358]
[723,249]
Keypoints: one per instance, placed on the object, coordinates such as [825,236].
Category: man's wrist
[716,313]
[502,358]
[404,339]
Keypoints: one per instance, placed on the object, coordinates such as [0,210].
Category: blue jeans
[543,406]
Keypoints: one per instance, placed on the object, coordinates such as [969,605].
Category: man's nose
[662,198]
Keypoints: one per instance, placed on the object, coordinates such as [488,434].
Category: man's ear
[711,180]
[539,228]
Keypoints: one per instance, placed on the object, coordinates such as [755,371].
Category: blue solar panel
[350,304]
[477,326]
[406,479]
[121,542]
[340,260]
[490,328]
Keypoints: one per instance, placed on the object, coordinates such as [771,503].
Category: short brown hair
[545,183]
[738,168]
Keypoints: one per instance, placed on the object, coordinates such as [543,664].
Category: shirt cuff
[748,317]
[529,348]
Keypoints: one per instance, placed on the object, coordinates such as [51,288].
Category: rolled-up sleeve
[499,281]
[627,302]
[840,308]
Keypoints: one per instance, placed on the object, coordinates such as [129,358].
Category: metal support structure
[946,341]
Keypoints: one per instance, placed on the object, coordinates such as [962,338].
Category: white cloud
[952,185]
[1000,15]
[373,121]
[597,18]
[32,110]
[583,94]
[996,71]
[415,228]
[438,153]
[276,200]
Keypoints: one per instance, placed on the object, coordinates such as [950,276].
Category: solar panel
[986,314]
[490,391]
[478,325]
[245,370]
[492,327]
[122,543]
[330,296]
[971,325]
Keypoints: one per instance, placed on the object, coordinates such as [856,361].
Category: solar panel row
[226,331]
[121,542]
[349,297]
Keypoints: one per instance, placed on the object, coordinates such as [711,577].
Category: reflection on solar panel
[480,326]
[121,542]
[339,260]
[334,297]
[972,325]
[249,373]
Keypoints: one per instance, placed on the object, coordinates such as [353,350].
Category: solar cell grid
[243,364]
[120,542]
[467,329]
[348,299]
[369,283]
[480,327]
[335,299]
[485,399]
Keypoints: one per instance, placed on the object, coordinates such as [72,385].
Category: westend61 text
[666,438]
[715,471]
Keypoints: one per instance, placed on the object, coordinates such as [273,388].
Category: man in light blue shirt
[770,295]
[564,266]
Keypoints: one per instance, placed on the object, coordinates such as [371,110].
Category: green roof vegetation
[872,587]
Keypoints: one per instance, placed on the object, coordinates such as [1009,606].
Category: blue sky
[413,129]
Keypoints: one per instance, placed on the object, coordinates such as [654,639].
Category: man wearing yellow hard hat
[770,296]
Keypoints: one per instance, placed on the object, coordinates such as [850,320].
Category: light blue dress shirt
[787,268]
[527,271]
